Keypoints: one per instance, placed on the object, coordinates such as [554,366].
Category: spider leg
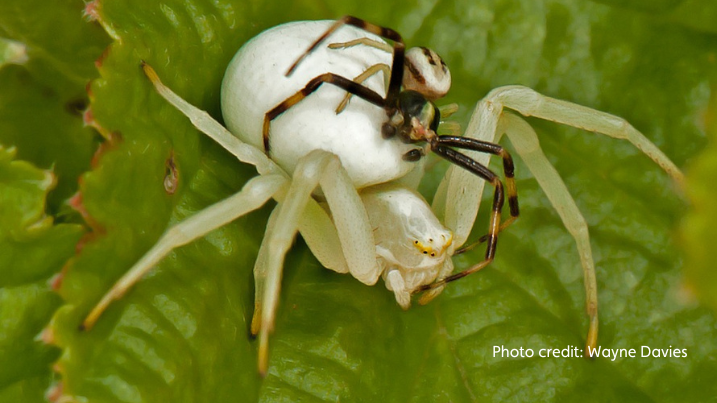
[313,85]
[207,125]
[508,166]
[254,194]
[526,144]
[380,67]
[399,49]
[508,170]
[316,226]
[530,103]
[447,127]
[376,68]
[486,174]
[327,249]
[362,41]
[448,110]
[318,168]
[465,191]
[260,273]
[429,295]
[461,187]
[489,122]
[348,233]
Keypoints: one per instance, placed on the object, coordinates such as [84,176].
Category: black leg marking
[498,197]
[313,85]
[494,227]
[495,149]
[399,49]
[508,169]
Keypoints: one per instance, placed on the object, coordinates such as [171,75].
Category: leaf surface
[32,250]
[181,333]
[43,148]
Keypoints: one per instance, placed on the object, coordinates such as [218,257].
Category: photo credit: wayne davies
[575,352]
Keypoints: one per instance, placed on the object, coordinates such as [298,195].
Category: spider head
[407,233]
[425,72]
[415,120]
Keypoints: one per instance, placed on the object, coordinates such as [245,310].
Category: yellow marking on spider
[428,249]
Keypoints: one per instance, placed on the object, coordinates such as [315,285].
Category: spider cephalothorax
[417,119]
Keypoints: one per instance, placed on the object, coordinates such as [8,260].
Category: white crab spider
[345,241]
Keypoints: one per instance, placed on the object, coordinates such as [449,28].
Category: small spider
[367,219]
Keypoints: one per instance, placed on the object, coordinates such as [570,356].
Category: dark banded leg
[359,79]
[313,85]
[476,168]
[508,170]
[399,49]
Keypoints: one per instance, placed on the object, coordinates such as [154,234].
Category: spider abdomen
[256,81]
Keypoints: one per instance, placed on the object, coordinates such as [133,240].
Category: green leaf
[44,149]
[42,97]
[701,222]
[181,334]
[32,250]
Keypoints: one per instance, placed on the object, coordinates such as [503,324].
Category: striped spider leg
[489,122]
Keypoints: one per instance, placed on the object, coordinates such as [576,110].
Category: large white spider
[367,219]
